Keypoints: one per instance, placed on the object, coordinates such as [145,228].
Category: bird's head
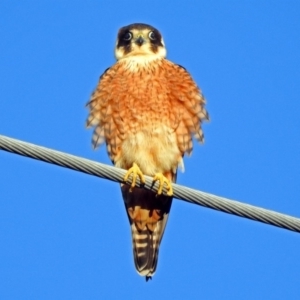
[139,39]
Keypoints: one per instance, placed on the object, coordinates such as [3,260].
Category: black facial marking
[127,36]
[124,39]
[155,38]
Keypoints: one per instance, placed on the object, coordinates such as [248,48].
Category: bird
[147,110]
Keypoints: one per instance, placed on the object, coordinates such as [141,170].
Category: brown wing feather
[189,102]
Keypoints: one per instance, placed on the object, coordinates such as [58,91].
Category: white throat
[135,62]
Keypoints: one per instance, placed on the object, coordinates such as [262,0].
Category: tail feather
[145,251]
[148,214]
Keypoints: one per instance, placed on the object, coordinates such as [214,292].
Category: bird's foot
[163,180]
[136,172]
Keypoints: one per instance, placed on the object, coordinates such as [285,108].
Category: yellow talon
[136,172]
[162,179]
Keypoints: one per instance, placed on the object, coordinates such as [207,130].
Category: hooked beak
[140,41]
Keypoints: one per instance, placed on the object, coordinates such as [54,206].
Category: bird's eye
[127,36]
[152,36]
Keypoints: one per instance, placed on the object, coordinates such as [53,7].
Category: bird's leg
[136,172]
[163,180]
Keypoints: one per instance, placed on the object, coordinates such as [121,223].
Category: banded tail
[148,215]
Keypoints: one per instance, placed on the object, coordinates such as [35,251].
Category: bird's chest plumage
[144,98]
[147,113]
[141,113]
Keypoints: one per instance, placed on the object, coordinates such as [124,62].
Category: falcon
[147,110]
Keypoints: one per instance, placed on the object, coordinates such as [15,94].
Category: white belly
[152,150]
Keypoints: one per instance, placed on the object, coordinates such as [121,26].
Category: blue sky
[65,235]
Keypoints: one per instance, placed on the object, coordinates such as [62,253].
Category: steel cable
[115,174]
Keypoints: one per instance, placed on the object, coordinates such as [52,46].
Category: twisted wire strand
[183,193]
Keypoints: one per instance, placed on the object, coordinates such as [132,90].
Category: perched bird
[146,109]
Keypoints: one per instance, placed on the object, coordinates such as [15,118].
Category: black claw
[148,277]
